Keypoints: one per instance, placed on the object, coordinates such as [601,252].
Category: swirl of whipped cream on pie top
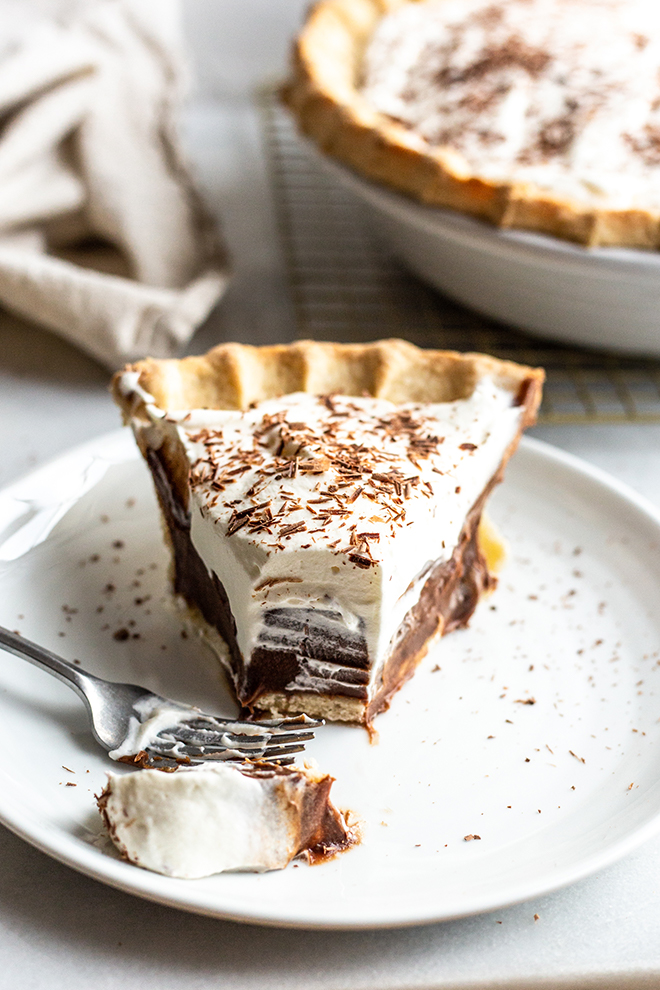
[563,94]
[337,503]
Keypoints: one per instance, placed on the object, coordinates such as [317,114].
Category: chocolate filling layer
[448,599]
[292,641]
[323,830]
[191,578]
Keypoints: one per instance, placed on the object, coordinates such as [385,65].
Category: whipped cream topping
[564,94]
[337,503]
[207,819]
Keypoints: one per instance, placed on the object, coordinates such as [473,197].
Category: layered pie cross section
[322,503]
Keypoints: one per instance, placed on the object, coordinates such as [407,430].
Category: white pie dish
[606,298]
[419,800]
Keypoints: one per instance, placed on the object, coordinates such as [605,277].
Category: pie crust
[235,376]
[325,98]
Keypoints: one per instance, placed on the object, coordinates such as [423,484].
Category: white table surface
[60,929]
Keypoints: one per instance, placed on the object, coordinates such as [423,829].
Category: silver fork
[163,733]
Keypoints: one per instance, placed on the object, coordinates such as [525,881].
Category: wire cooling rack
[345,286]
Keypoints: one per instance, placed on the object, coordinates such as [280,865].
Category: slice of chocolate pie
[322,503]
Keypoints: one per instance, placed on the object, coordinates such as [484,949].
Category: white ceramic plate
[599,297]
[556,789]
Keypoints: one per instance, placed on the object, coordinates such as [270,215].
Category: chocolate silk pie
[536,114]
[322,503]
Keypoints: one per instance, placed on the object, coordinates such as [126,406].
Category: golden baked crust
[329,108]
[231,376]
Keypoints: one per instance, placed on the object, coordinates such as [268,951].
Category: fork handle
[43,658]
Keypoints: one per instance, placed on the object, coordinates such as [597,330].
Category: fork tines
[206,738]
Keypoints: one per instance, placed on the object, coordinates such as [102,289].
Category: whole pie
[536,114]
[322,503]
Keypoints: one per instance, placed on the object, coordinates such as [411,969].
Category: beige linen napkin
[102,236]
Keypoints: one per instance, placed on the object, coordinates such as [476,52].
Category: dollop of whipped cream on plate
[217,817]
